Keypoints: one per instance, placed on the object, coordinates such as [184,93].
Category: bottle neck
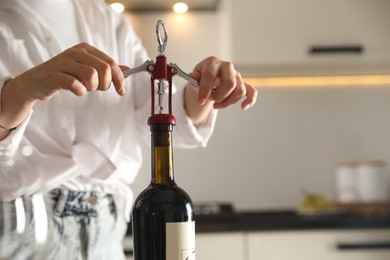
[162,158]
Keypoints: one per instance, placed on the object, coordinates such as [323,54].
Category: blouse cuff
[191,136]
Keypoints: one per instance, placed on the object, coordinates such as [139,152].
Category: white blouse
[90,142]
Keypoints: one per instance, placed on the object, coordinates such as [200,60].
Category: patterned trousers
[82,225]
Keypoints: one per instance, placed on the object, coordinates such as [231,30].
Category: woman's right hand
[79,69]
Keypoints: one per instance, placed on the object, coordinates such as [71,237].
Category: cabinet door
[226,246]
[280,32]
[320,245]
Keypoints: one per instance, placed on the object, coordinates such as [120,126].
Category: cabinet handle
[363,246]
[128,252]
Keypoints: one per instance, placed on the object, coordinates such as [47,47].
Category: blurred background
[306,170]
[303,126]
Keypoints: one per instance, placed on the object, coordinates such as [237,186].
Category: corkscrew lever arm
[175,71]
[179,72]
[143,67]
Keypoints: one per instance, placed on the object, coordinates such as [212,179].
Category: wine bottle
[162,217]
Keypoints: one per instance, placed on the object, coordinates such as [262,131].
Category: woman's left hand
[222,84]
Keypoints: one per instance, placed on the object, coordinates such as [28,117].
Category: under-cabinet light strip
[320,81]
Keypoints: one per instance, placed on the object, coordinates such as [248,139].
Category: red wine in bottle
[163,217]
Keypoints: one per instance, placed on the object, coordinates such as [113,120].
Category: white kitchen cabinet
[278,33]
[226,246]
[290,245]
[319,245]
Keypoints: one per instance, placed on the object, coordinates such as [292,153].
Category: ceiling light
[180,8]
[118,7]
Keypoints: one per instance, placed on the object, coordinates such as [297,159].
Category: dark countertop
[283,221]
[286,220]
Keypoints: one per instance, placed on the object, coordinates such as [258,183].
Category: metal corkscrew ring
[162,42]
[161,73]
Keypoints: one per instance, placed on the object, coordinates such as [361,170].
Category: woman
[57,61]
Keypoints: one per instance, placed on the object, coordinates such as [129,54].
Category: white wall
[291,140]
[191,37]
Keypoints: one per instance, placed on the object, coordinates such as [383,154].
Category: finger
[238,92]
[195,75]
[251,97]
[85,74]
[207,72]
[102,68]
[228,82]
[110,70]
[65,81]
[123,67]
[202,94]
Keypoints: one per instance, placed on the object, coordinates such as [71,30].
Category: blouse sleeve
[12,141]
[186,134]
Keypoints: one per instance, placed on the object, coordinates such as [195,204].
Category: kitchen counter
[286,220]
[283,221]
[244,235]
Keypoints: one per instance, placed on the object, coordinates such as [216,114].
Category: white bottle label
[180,240]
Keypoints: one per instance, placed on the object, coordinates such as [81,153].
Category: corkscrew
[162,73]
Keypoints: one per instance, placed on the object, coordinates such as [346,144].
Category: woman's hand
[79,69]
[220,86]
[221,83]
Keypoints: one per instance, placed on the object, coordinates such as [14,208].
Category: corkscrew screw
[161,73]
